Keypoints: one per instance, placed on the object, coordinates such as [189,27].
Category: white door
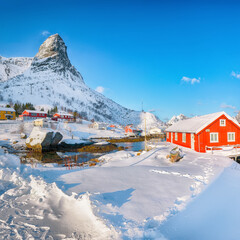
[192,141]
[171,137]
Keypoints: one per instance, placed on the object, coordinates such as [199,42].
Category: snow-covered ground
[128,196]
[10,131]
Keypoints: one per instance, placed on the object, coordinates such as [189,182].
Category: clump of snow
[34,209]
[102,143]
[74,141]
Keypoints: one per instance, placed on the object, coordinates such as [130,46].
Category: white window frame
[228,136]
[214,141]
[222,124]
[176,136]
[184,137]
[167,134]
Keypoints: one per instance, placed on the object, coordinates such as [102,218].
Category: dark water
[71,159]
[66,159]
[132,146]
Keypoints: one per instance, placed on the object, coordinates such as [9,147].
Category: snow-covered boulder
[23,136]
[43,139]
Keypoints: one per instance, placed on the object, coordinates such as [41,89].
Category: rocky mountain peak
[52,55]
[51,47]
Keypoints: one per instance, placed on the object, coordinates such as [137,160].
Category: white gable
[35,111]
[196,124]
[7,109]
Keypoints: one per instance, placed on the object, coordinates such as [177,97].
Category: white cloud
[191,80]
[45,33]
[236,75]
[223,105]
[100,89]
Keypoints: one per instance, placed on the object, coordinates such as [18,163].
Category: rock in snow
[50,79]
[43,139]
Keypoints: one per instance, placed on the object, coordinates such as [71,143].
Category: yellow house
[7,113]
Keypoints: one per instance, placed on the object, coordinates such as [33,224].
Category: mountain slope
[11,67]
[50,79]
[175,119]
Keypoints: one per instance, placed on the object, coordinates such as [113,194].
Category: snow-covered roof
[7,109]
[196,124]
[35,111]
[64,113]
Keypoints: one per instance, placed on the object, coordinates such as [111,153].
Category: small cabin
[132,131]
[99,125]
[42,122]
[32,115]
[63,116]
[7,113]
[155,131]
[203,132]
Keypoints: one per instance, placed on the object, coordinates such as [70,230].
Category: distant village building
[155,131]
[98,125]
[63,116]
[42,122]
[111,127]
[132,131]
[7,113]
[201,133]
[32,115]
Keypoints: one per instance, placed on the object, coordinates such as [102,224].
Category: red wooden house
[32,114]
[130,130]
[199,133]
[63,116]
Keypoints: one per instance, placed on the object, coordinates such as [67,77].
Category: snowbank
[130,196]
[34,209]
[139,193]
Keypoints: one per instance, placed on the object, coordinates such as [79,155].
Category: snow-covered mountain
[175,119]
[237,117]
[50,79]
[11,67]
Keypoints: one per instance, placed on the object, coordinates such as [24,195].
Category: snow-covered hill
[50,79]
[11,67]
[237,117]
[175,119]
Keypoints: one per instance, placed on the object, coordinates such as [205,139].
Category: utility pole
[145,131]
[31,87]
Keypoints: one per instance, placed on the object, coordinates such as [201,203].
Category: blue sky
[174,56]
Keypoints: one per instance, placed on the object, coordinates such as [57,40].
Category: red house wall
[168,137]
[128,129]
[203,138]
[64,116]
[26,113]
[179,141]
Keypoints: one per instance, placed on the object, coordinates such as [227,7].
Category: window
[231,136]
[184,137]
[222,122]
[176,136]
[167,134]
[213,137]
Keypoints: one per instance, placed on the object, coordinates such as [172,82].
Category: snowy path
[138,193]
[215,214]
